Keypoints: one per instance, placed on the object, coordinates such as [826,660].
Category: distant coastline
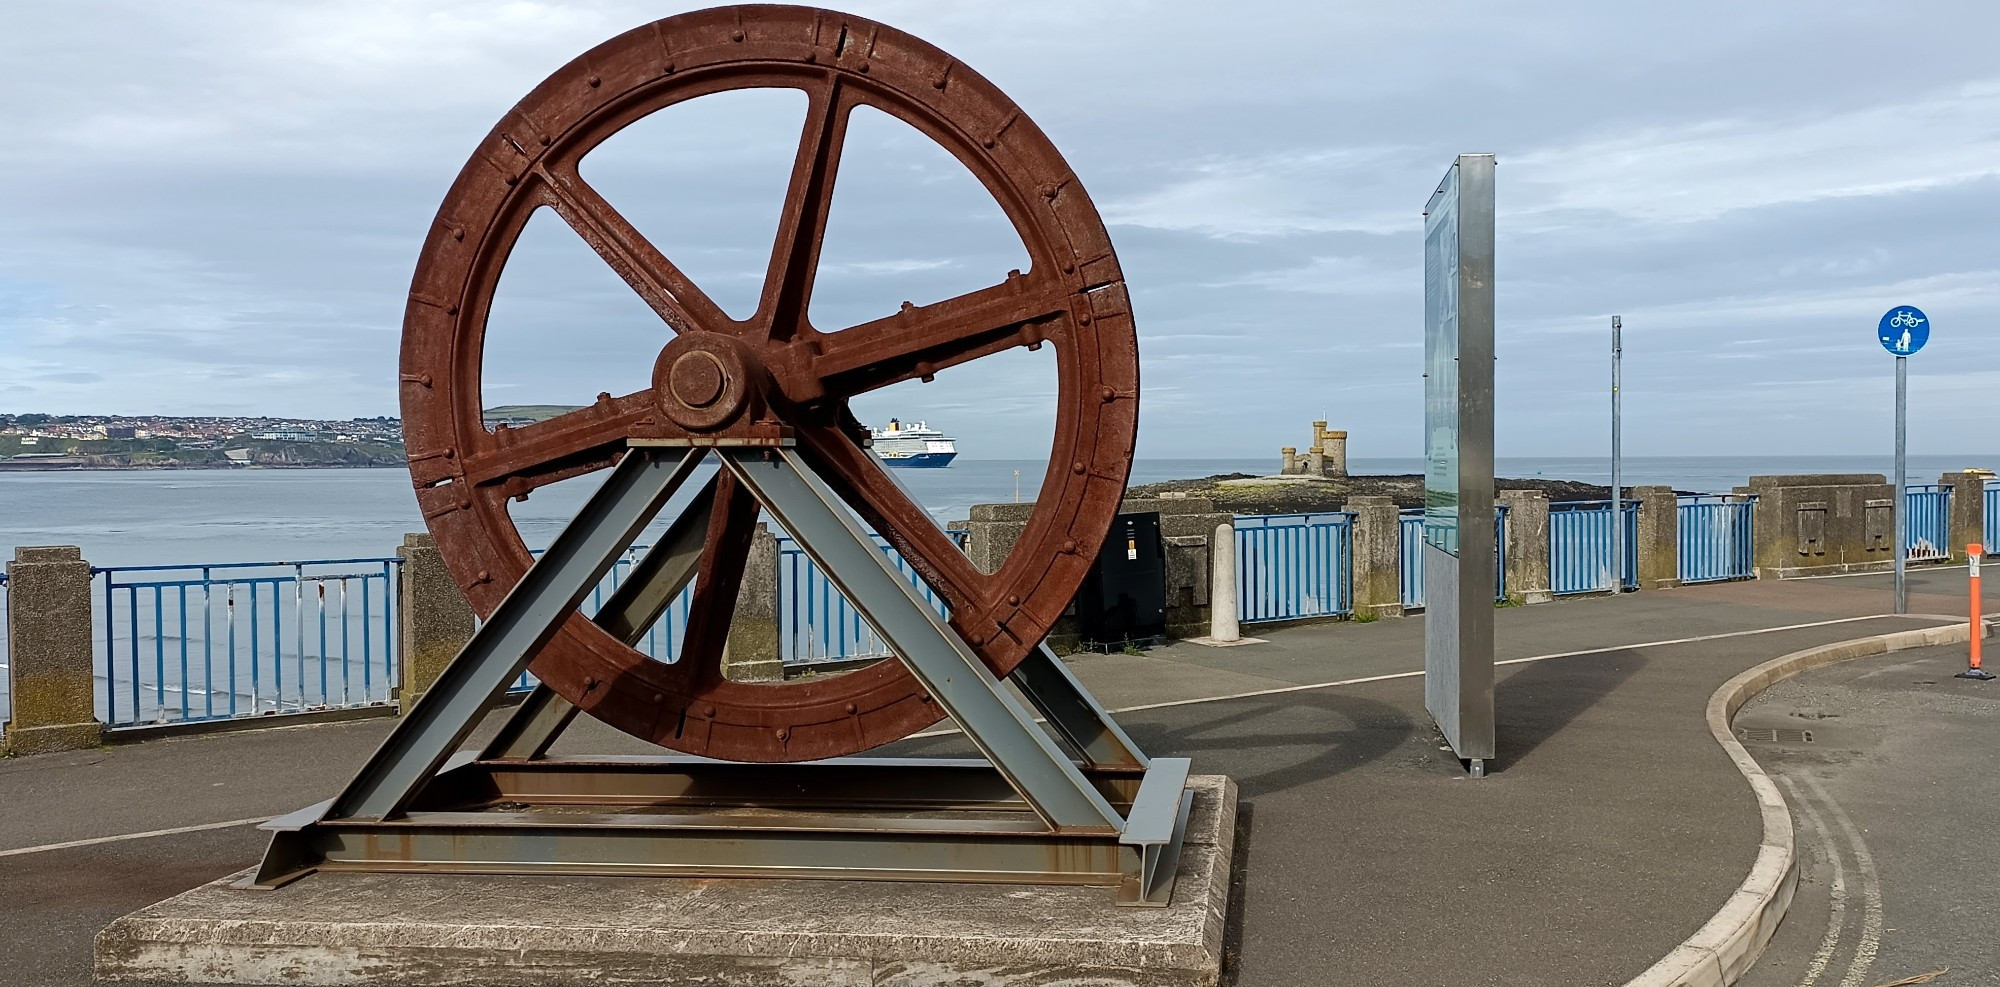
[48,466]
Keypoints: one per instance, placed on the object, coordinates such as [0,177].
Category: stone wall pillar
[1820,525]
[1659,537]
[1968,510]
[1527,548]
[1288,461]
[433,620]
[50,665]
[1378,556]
[752,652]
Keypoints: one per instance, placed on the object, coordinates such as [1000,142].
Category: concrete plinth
[1378,558]
[51,672]
[752,653]
[380,929]
[1659,537]
[1527,551]
[433,619]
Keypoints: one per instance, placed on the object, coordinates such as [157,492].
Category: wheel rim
[795,380]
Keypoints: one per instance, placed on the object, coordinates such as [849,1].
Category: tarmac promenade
[1612,827]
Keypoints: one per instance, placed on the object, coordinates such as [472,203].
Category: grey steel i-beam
[1027,813]
[1065,705]
[992,719]
[655,580]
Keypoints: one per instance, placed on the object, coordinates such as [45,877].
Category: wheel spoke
[719,577]
[859,479]
[922,340]
[680,303]
[580,441]
[802,225]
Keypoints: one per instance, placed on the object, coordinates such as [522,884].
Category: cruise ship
[914,445]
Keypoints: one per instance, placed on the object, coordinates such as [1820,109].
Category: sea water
[172,517]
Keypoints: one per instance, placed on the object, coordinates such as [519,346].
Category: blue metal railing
[1716,540]
[1411,555]
[816,623]
[1927,521]
[212,642]
[1290,566]
[1991,520]
[1580,546]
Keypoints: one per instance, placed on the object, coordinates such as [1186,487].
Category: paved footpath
[1894,801]
[1612,827]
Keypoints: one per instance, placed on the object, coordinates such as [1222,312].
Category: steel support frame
[1076,803]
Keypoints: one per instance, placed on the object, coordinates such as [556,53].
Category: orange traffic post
[1973,671]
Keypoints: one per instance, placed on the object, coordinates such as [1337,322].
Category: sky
[214,207]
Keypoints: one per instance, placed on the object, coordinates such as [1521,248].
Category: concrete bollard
[752,653]
[1223,627]
[433,620]
[51,673]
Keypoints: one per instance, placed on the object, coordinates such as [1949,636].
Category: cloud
[217,205]
[1700,171]
[1242,198]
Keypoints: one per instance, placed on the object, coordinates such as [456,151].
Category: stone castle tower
[1326,457]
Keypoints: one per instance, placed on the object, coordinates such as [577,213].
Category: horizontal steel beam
[862,783]
[821,846]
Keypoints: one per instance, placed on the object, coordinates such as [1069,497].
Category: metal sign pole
[1902,331]
[1617,477]
[1901,498]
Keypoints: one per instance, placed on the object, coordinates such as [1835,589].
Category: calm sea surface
[191,516]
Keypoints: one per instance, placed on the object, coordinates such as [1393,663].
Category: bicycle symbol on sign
[1906,318]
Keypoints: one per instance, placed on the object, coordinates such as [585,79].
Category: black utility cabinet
[1124,599]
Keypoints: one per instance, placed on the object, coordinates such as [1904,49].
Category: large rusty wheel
[773,375]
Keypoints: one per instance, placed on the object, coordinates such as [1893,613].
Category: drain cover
[1773,735]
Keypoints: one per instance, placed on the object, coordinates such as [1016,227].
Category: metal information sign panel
[1459,547]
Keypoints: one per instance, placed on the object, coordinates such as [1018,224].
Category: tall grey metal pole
[1899,499]
[1617,456]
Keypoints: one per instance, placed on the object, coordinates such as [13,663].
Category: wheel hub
[703,380]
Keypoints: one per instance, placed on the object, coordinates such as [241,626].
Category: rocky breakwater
[1243,493]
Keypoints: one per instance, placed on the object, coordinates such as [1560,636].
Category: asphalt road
[1895,801]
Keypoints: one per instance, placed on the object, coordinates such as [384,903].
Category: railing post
[433,619]
[1659,537]
[1967,521]
[50,672]
[752,652]
[1527,545]
[1377,556]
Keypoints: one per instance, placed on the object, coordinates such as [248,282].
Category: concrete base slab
[1209,642]
[382,929]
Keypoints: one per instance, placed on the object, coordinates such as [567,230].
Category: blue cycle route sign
[1904,330]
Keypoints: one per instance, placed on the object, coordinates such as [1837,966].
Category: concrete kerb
[1722,950]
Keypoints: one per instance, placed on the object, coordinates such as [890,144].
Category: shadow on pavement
[1275,743]
[1538,701]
